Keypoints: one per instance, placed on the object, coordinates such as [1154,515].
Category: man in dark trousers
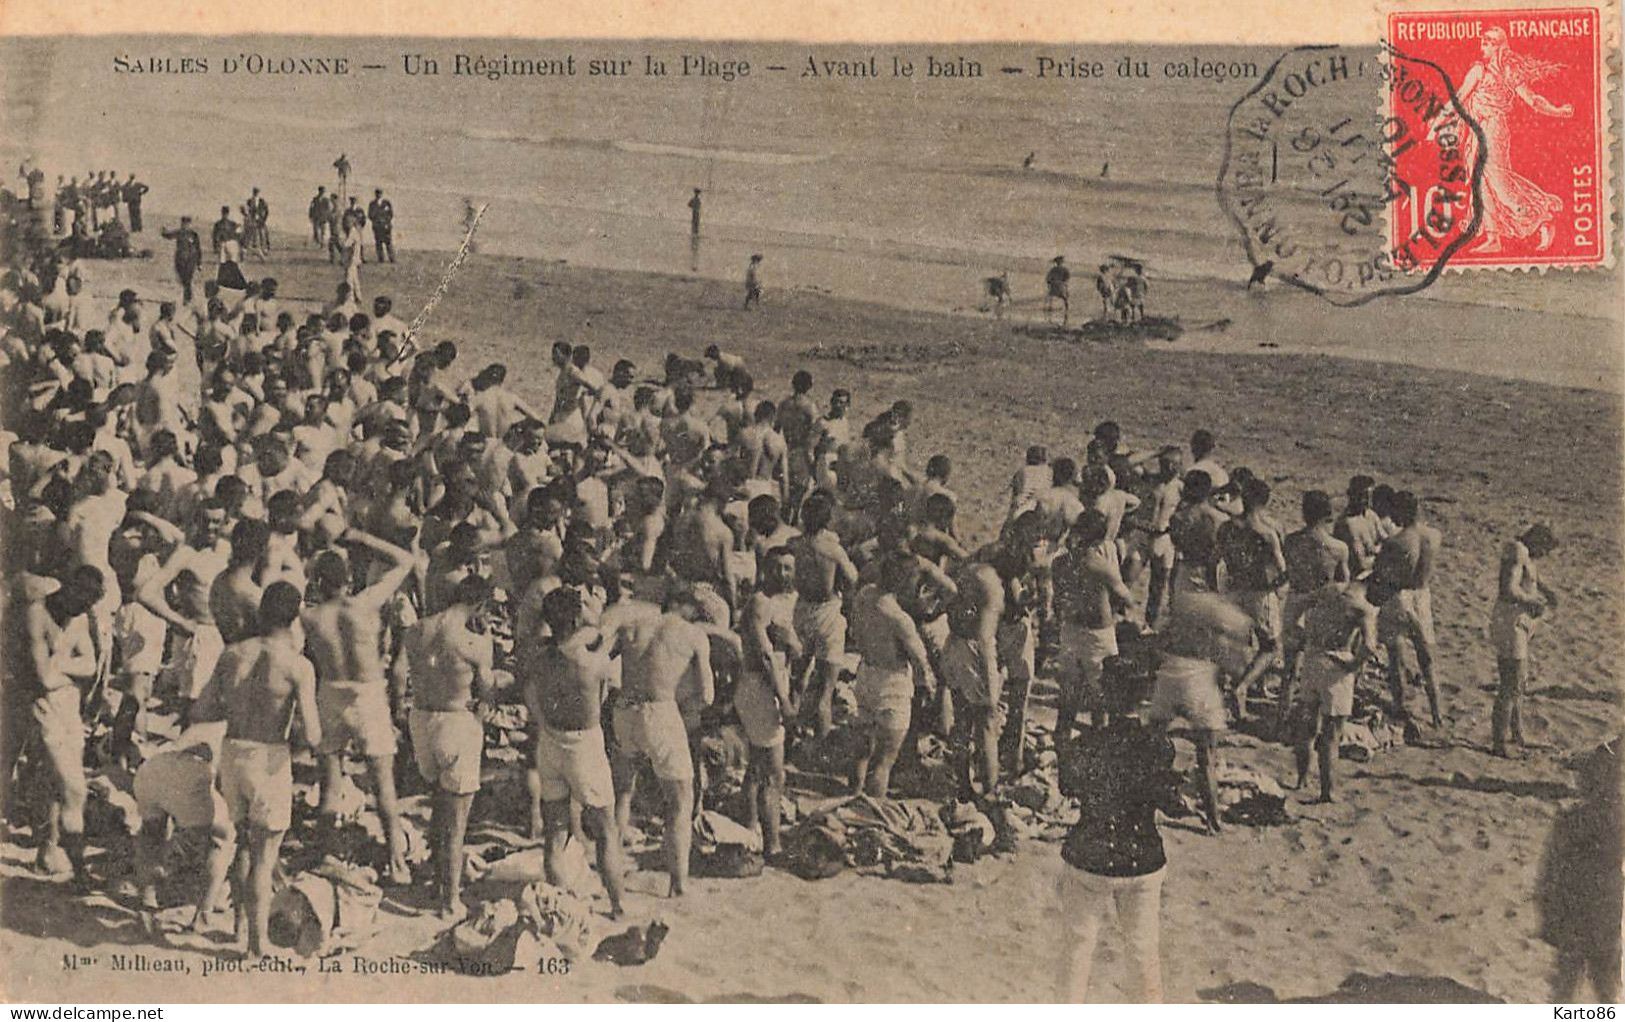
[694,215]
[188,255]
[133,190]
[382,214]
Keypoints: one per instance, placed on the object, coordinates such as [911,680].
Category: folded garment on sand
[888,837]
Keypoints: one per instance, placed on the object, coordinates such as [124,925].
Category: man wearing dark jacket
[188,255]
[1122,774]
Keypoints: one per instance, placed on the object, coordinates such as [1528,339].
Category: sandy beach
[1419,884]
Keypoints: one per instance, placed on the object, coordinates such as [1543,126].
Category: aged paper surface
[1352,267]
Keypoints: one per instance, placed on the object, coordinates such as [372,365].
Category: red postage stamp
[1532,85]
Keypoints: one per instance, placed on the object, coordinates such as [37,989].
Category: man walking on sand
[188,255]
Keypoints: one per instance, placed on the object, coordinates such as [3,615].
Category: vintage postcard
[539,504]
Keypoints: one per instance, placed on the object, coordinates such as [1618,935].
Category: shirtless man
[1154,522]
[1400,575]
[565,695]
[344,640]
[1088,581]
[762,697]
[1251,549]
[193,565]
[702,544]
[1356,527]
[1016,562]
[446,659]
[658,651]
[763,453]
[1204,633]
[797,422]
[894,663]
[970,669]
[1314,560]
[823,572]
[234,596]
[1339,635]
[52,653]
[178,785]
[258,686]
[1521,600]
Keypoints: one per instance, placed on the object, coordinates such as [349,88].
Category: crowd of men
[295,525]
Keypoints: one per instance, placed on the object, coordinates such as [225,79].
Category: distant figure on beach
[342,165]
[753,282]
[257,224]
[320,213]
[1106,169]
[1055,287]
[470,216]
[1105,286]
[226,237]
[188,255]
[382,214]
[1521,600]
[354,245]
[694,215]
[133,190]
[998,293]
[354,218]
[1027,164]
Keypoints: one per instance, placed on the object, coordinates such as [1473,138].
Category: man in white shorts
[1339,635]
[447,658]
[1203,631]
[344,638]
[257,686]
[762,696]
[658,651]
[565,695]
[894,662]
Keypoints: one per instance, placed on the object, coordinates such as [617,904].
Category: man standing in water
[1055,288]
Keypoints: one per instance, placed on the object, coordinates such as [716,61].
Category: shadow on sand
[1359,988]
